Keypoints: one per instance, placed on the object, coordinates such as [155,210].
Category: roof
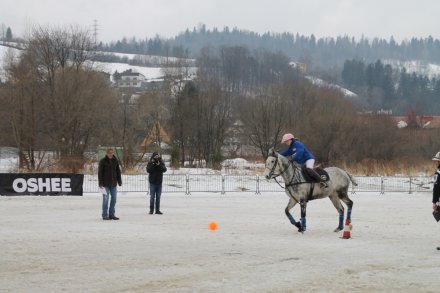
[132,74]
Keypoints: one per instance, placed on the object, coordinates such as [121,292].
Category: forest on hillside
[324,53]
[357,64]
[385,87]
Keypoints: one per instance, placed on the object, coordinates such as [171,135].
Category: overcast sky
[402,19]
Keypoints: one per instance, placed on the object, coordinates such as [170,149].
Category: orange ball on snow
[212,226]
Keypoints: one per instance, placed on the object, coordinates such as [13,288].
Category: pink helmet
[286,137]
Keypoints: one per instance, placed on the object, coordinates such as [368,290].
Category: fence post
[382,185]
[223,184]
[410,185]
[187,185]
[257,189]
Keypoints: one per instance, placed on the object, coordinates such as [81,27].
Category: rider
[301,155]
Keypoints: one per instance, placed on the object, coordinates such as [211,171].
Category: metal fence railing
[190,183]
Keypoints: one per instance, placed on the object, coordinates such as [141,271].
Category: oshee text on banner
[41,184]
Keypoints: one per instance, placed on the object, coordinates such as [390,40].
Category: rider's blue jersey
[298,151]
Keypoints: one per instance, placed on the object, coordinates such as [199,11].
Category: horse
[300,190]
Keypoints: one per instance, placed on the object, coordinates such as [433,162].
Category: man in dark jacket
[155,168]
[436,190]
[109,176]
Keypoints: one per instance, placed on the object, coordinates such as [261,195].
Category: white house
[130,79]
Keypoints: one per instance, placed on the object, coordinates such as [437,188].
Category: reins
[282,172]
[291,183]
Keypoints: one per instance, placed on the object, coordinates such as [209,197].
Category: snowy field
[150,73]
[8,159]
[60,244]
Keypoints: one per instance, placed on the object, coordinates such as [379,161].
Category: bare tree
[134,116]
[182,99]
[215,110]
[23,110]
[184,118]
[265,118]
[60,100]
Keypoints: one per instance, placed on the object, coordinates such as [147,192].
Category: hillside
[150,72]
[154,67]
[318,53]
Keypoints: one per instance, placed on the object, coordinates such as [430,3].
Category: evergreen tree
[388,86]
[353,73]
[9,34]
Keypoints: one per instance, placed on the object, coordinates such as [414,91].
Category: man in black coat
[109,176]
[155,168]
[436,190]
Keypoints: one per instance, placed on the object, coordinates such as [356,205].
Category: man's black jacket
[109,173]
[155,170]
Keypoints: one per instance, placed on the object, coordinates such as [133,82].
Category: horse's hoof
[300,228]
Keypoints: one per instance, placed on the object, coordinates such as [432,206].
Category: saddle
[321,172]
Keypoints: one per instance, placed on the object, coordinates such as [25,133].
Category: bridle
[274,176]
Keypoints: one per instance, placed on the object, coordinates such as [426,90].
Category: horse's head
[271,165]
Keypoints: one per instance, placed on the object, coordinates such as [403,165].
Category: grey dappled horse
[301,191]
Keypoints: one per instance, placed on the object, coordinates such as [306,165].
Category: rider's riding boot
[312,173]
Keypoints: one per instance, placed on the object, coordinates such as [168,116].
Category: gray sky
[402,19]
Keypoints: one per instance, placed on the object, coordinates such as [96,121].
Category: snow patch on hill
[417,66]
[150,73]
[153,59]
[322,83]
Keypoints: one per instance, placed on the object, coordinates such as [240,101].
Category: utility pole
[95,32]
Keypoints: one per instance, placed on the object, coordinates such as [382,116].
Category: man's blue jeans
[155,192]
[106,211]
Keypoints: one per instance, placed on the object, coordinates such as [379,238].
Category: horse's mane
[285,160]
[281,157]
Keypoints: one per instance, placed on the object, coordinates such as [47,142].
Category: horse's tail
[353,181]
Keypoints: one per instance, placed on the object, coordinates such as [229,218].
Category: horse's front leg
[289,206]
[303,205]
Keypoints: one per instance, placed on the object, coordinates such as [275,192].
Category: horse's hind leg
[338,205]
[344,197]
[289,206]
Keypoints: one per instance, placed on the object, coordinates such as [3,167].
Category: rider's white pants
[310,163]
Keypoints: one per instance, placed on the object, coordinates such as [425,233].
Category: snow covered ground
[5,54]
[160,60]
[321,83]
[419,67]
[150,73]
[8,159]
[60,244]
